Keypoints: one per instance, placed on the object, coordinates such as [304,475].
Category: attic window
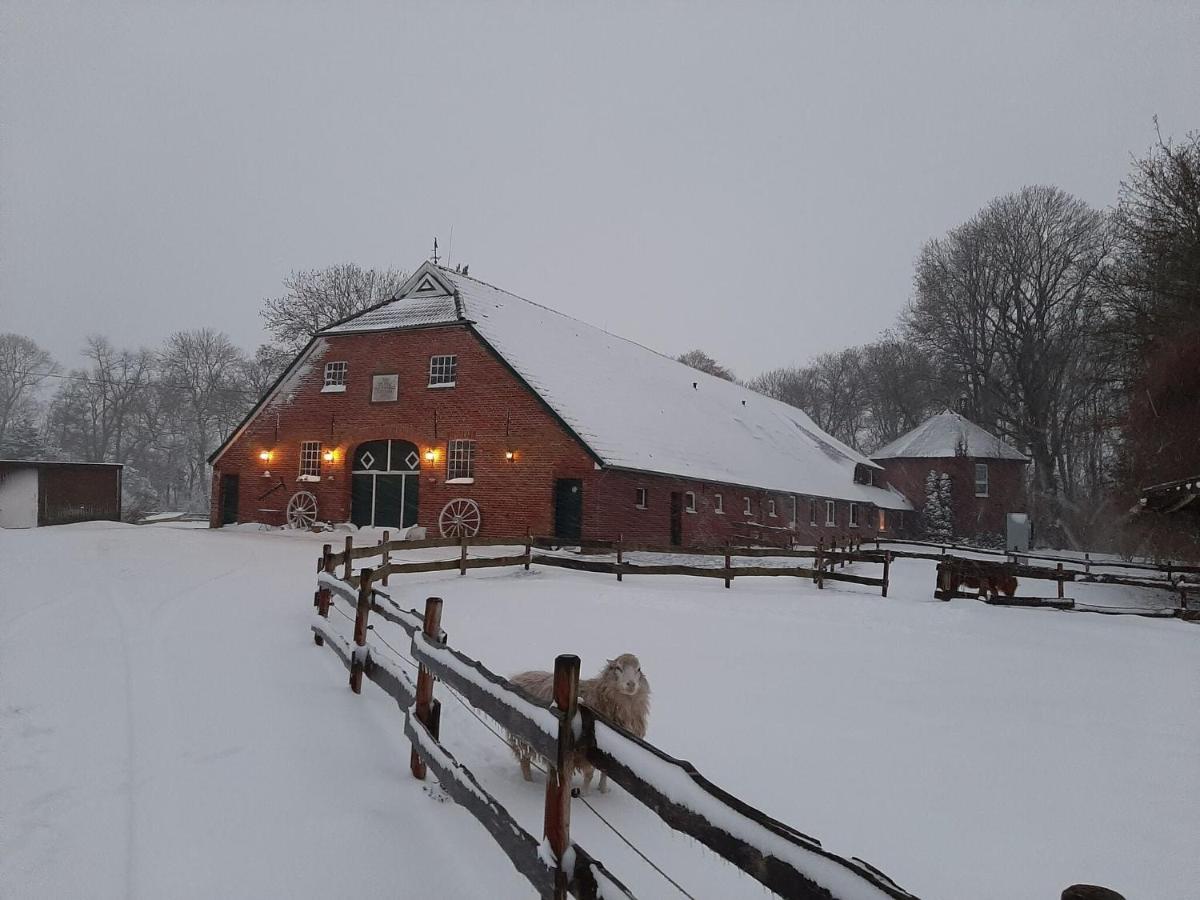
[830,512]
[443,371]
[335,378]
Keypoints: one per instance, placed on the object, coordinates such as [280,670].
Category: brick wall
[488,405]
[972,515]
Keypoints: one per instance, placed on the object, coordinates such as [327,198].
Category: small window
[981,480]
[771,508]
[853,515]
[830,512]
[689,501]
[335,378]
[718,504]
[460,462]
[640,498]
[883,520]
[443,371]
[384,388]
[746,506]
[310,460]
[812,512]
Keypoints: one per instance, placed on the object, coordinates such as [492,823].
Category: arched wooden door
[384,482]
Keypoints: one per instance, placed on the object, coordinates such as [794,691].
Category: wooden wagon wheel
[460,517]
[302,510]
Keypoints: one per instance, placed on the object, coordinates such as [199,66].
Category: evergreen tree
[938,514]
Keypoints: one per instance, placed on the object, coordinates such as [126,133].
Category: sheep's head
[625,673]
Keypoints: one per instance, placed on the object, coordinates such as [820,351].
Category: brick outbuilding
[987,475]
[459,406]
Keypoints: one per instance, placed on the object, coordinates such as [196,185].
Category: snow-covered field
[168,729]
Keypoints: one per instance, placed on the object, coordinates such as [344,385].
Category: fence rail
[781,858]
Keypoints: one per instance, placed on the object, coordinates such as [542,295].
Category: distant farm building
[987,475]
[462,408]
[35,492]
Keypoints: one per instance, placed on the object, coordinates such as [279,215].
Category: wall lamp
[328,456]
[510,455]
[430,455]
[265,456]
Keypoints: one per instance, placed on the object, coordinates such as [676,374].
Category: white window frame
[718,504]
[395,388]
[986,482]
[443,370]
[310,461]
[336,374]
[812,512]
[689,501]
[460,461]
[746,507]
[853,515]
[771,508]
[640,498]
[830,513]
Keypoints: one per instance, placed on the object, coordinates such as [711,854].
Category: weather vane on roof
[435,253]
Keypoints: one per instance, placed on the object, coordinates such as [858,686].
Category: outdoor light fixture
[430,455]
[328,455]
[510,455]
[265,456]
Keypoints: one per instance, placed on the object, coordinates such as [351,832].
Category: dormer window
[443,371]
[335,378]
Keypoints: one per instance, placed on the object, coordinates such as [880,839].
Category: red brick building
[987,476]
[458,406]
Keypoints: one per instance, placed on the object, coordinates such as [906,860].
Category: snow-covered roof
[632,407]
[948,434]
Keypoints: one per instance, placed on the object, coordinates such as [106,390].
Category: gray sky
[752,179]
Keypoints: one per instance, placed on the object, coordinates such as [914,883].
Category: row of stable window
[641,501]
[460,460]
[443,373]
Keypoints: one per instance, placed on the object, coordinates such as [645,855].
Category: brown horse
[992,585]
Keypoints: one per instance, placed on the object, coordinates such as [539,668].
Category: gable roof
[948,434]
[631,407]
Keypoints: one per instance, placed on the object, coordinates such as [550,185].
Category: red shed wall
[972,515]
[78,494]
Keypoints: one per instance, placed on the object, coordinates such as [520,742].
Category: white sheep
[620,694]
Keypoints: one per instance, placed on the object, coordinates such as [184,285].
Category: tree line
[1071,332]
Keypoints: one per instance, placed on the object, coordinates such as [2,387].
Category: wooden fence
[826,559]
[781,858]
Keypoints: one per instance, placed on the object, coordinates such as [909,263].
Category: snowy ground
[168,729]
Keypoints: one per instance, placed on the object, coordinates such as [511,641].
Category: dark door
[384,484]
[229,499]
[676,518]
[568,508]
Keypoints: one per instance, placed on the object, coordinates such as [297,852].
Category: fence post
[557,829]
[424,705]
[1060,581]
[1183,607]
[323,593]
[387,556]
[1087,564]
[528,547]
[462,556]
[887,568]
[349,562]
[818,578]
[728,566]
[620,559]
[360,629]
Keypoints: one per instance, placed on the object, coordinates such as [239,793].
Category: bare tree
[1009,305]
[698,359]
[23,367]
[316,298]
[260,371]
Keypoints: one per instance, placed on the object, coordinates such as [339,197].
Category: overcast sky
[752,179]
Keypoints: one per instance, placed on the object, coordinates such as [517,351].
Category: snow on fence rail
[783,859]
[826,560]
